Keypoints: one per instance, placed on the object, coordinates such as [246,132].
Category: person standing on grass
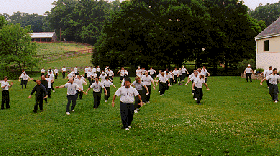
[76,70]
[184,73]
[41,93]
[49,87]
[163,82]
[86,71]
[205,73]
[248,72]
[45,83]
[55,73]
[71,94]
[176,75]
[111,74]
[103,76]
[97,90]
[89,74]
[127,94]
[5,93]
[43,71]
[107,83]
[138,71]
[147,81]
[139,87]
[79,81]
[24,79]
[152,72]
[51,76]
[63,72]
[273,88]
[168,78]
[197,87]
[266,73]
[180,76]
[122,72]
[98,71]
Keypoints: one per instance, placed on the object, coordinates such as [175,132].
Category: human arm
[11,85]
[193,86]
[113,102]
[146,89]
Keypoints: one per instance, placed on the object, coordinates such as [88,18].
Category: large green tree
[16,47]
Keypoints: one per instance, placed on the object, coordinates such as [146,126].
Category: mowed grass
[236,118]
[59,48]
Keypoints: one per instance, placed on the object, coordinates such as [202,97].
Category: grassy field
[58,48]
[236,118]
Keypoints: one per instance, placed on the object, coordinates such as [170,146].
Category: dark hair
[274,69]
[107,77]
[128,79]
[270,66]
[5,77]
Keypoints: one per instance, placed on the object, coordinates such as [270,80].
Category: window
[266,45]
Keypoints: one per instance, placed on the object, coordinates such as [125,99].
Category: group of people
[133,94]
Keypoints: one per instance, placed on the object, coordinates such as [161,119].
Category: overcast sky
[41,6]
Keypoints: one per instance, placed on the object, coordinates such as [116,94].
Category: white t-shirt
[122,72]
[4,84]
[147,80]
[184,70]
[97,87]
[151,71]
[24,77]
[198,82]
[176,72]
[71,88]
[42,70]
[94,70]
[98,69]
[204,72]
[75,70]
[86,70]
[56,71]
[127,94]
[267,72]
[102,77]
[63,69]
[138,72]
[49,82]
[273,79]
[163,79]
[248,70]
[111,73]
[80,83]
[107,83]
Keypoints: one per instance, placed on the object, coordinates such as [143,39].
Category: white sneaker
[148,102]
[105,100]
[126,129]
[53,90]
[135,111]
[186,84]
[275,101]
[73,110]
[195,99]
[129,126]
[192,93]
[67,113]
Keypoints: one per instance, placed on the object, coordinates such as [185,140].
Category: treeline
[163,32]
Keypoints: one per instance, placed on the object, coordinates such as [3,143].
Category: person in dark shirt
[44,82]
[41,93]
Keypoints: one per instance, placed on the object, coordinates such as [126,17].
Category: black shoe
[34,111]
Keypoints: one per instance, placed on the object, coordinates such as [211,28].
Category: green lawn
[58,48]
[236,118]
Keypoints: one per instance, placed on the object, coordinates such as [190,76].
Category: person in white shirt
[63,70]
[266,73]
[51,76]
[89,75]
[49,86]
[25,78]
[103,77]
[76,70]
[93,70]
[180,75]
[198,75]
[176,75]
[139,87]
[147,80]
[194,76]
[70,75]
[205,73]
[55,73]
[107,83]
[43,71]
[138,71]
[273,88]
[98,71]
[184,73]
[168,78]
[198,82]
[127,94]
[163,82]
[71,94]
[248,72]
[80,82]
[122,72]
[143,71]
[152,72]
[97,90]
[5,93]
[86,71]
[111,74]
[106,69]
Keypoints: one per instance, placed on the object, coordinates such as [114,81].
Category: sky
[41,6]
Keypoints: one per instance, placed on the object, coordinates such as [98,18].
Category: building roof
[42,35]
[271,31]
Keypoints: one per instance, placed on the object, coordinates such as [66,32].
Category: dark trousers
[176,79]
[111,78]
[73,99]
[273,91]
[55,76]
[127,111]
[198,94]
[39,101]
[52,86]
[5,99]
[108,93]
[248,75]
[121,78]
[183,76]
[137,100]
[63,74]
[149,95]
[42,74]
[162,87]
[79,94]
[89,81]
[49,90]
[267,82]
[97,98]
[193,91]
[85,75]
[23,82]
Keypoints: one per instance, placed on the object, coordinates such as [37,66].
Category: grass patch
[236,118]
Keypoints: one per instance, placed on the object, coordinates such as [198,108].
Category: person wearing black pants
[96,86]
[197,86]
[24,79]
[248,71]
[5,93]
[139,87]
[175,73]
[41,93]
[107,83]
[79,81]
[273,88]
[44,82]
[163,81]
[147,80]
[127,94]
[71,94]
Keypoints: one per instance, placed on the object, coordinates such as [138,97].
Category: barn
[44,37]
[268,47]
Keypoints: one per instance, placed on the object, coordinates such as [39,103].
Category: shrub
[244,64]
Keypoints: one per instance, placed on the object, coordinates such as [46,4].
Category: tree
[16,47]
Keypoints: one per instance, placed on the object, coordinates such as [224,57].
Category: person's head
[201,76]
[146,73]
[55,68]
[270,67]
[138,67]
[107,77]
[64,66]
[23,71]
[195,73]
[97,66]
[76,66]
[275,71]
[199,70]
[183,66]
[38,82]
[79,76]
[180,68]
[162,74]
[43,77]
[50,71]
[159,71]
[109,69]
[204,67]
[175,68]
[151,68]
[249,66]
[71,80]
[96,79]
[127,82]
[5,78]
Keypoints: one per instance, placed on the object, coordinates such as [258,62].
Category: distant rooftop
[271,30]
[42,35]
